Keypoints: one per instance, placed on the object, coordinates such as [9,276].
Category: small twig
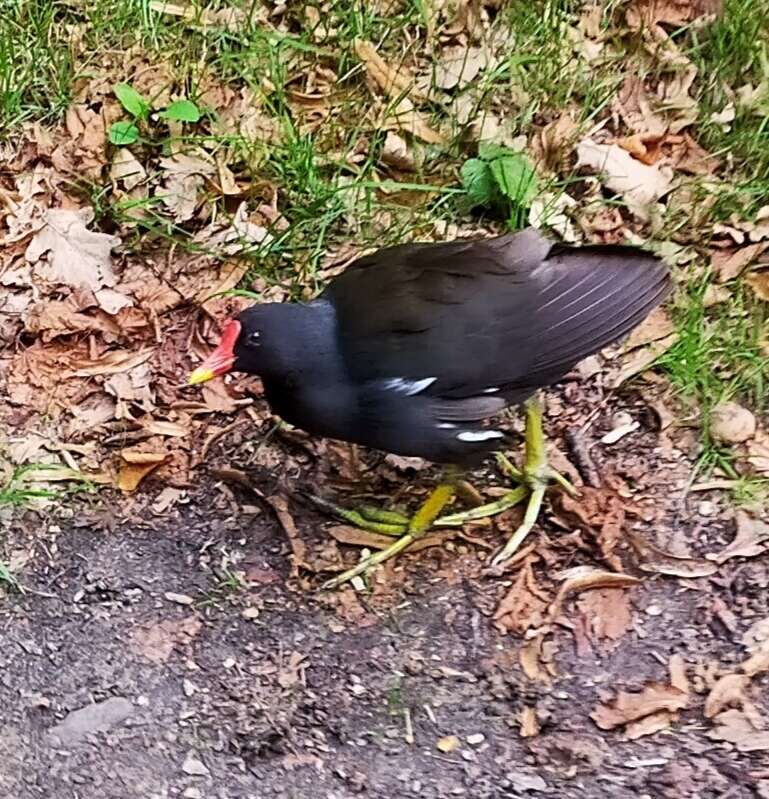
[409,734]
[583,460]
[215,436]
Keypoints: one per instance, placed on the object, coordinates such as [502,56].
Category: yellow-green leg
[417,526]
[533,479]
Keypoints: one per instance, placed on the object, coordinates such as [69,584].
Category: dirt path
[133,667]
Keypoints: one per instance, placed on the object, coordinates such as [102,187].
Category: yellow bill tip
[200,375]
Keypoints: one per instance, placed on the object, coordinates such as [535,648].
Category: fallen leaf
[112,362]
[758,662]
[185,177]
[759,282]
[658,325]
[608,612]
[65,252]
[394,82]
[657,561]
[751,540]
[157,641]
[584,579]
[678,678]
[729,691]
[241,234]
[641,359]
[298,549]
[640,185]
[529,722]
[459,65]
[126,168]
[736,727]
[676,13]
[727,264]
[648,725]
[601,512]
[530,656]
[396,153]
[135,466]
[523,606]
[757,450]
[627,707]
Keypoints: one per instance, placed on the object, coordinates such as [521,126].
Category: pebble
[195,767]
[654,610]
[447,744]
[179,599]
[251,613]
[706,508]
[476,739]
[192,793]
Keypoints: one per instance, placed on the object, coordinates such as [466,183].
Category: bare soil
[134,665]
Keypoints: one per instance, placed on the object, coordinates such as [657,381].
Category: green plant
[502,180]
[126,131]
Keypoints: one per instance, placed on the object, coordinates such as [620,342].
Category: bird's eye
[254,339]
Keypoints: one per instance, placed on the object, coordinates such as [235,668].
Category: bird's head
[255,341]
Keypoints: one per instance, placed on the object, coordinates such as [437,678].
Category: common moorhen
[414,348]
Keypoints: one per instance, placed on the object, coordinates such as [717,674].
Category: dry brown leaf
[601,512]
[406,118]
[678,678]
[241,234]
[459,65]
[729,691]
[529,722]
[157,641]
[393,82]
[298,549]
[126,168]
[186,176]
[52,318]
[656,561]
[135,466]
[759,282]
[650,724]
[639,184]
[641,359]
[657,325]
[355,536]
[553,144]
[396,153]
[737,727]
[531,658]
[112,362]
[728,264]
[757,451]
[642,14]
[585,578]
[229,18]
[65,252]
[751,540]
[627,707]
[608,612]
[524,605]
[758,662]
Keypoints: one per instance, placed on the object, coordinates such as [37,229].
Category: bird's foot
[366,517]
[532,483]
[393,523]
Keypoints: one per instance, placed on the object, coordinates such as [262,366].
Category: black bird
[413,349]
